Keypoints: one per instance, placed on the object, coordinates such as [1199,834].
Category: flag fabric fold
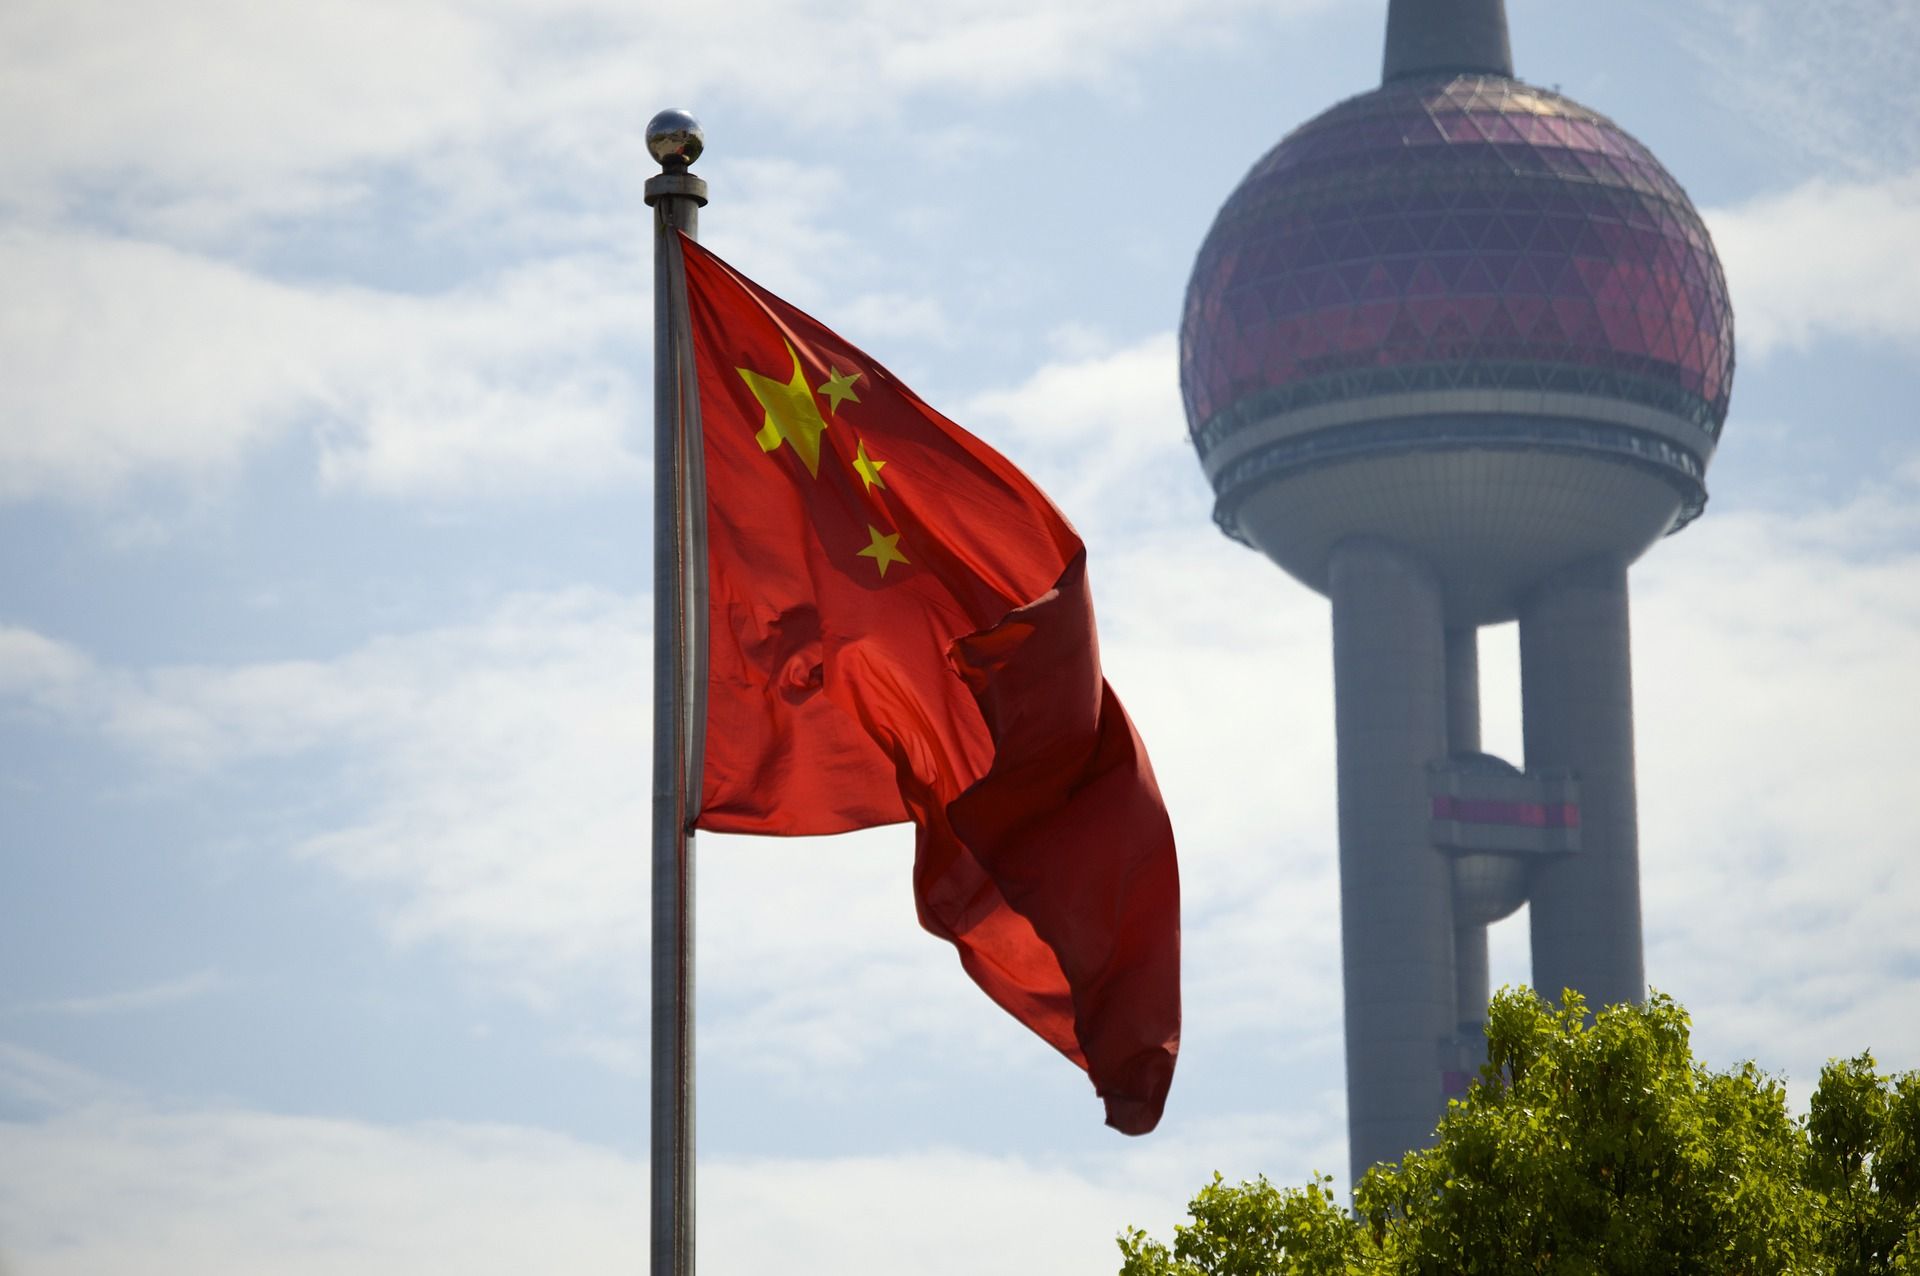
[900,629]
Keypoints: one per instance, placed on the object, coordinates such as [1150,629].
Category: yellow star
[839,386]
[792,415]
[885,549]
[868,468]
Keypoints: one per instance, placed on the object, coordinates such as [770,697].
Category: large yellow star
[792,415]
[868,468]
[839,386]
[885,548]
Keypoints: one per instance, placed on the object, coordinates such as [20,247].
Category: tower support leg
[1471,984]
[1463,690]
[1463,736]
[1577,695]
[1396,907]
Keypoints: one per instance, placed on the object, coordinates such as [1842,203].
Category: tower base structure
[1438,840]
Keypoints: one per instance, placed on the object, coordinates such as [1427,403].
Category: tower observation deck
[1458,351]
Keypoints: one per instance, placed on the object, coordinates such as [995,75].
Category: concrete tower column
[1463,690]
[1470,978]
[1577,693]
[1396,904]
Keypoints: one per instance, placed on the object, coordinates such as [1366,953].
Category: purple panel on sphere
[1470,221]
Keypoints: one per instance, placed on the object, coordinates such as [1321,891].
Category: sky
[324,617]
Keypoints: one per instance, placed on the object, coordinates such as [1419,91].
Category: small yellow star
[885,549]
[868,468]
[839,386]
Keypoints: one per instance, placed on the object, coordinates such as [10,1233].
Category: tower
[1457,351]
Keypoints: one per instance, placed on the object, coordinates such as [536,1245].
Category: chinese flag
[900,629]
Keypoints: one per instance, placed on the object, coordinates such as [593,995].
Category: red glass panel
[1377,284]
[1426,281]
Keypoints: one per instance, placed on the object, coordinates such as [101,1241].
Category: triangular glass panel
[1404,332]
[1521,200]
[1500,236]
[1500,128]
[1500,326]
[1478,312]
[1449,237]
[1426,281]
[1474,225]
[1378,284]
[1398,237]
[1549,236]
[1523,277]
[1421,131]
[1328,291]
[1525,313]
[1531,128]
[1476,280]
[1578,322]
[1424,226]
[1341,240]
[1620,325]
[1353,274]
[1587,241]
[1451,267]
[1369,324]
[1428,313]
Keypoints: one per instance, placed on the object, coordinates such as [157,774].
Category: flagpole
[675,140]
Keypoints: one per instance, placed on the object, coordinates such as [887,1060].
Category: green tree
[1597,1145]
[1864,1162]
[1254,1229]
[1600,1146]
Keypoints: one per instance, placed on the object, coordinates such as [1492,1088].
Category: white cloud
[1103,431]
[213,114]
[35,667]
[122,360]
[104,1183]
[1777,670]
[230,98]
[119,357]
[40,1083]
[153,996]
[1836,81]
[1826,260]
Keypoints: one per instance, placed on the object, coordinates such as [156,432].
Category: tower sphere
[1462,314]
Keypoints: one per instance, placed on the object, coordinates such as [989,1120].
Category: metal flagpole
[679,684]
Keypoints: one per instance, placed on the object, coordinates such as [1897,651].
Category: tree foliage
[1864,1164]
[1597,1145]
[1254,1229]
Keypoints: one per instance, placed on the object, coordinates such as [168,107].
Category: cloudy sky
[324,483]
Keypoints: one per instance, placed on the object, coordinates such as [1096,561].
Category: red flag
[900,629]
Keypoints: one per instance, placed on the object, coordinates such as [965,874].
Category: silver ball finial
[675,138]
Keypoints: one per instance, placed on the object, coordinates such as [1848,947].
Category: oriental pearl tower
[1456,352]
